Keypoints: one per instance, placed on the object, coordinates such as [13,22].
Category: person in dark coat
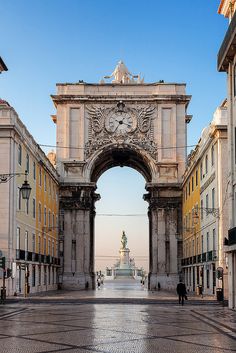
[182,292]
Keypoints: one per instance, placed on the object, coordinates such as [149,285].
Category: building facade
[28,229]
[226,62]
[205,209]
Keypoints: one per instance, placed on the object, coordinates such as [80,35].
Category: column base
[163,281]
[78,281]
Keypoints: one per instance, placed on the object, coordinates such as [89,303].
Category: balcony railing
[204,257]
[34,257]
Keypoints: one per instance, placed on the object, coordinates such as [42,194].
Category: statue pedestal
[124,258]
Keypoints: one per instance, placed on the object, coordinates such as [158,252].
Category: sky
[44,42]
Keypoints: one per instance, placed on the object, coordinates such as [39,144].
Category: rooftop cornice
[120,84]
[65,99]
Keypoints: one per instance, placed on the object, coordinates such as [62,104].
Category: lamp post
[25,188]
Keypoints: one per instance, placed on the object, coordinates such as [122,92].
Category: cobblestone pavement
[114,327]
[117,328]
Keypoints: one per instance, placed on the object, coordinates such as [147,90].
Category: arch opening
[123,157]
[121,208]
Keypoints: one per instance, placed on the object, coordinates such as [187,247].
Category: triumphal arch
[121,121]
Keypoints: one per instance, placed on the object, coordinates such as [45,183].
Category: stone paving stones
[116,328]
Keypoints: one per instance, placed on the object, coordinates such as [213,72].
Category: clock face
[120,123]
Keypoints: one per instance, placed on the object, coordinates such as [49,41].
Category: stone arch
[123,156]
[139,125]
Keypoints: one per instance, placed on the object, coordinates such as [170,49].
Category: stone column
[77,203]
[164,208]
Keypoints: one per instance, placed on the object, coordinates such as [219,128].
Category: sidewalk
[119,291]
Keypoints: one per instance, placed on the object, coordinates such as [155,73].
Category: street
[110,326]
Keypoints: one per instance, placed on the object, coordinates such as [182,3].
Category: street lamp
[25,188]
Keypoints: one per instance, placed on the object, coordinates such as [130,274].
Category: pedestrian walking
[99,282]
[182,292]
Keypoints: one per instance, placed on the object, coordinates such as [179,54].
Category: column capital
[78,197]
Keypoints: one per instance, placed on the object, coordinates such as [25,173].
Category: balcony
[228,47]
[199,258]
[232,236]
[204,257]
[209,256]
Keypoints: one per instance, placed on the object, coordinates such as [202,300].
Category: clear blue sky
[48,41]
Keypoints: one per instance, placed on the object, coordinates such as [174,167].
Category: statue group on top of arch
[122,75]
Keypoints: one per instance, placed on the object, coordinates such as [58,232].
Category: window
[207,205]
[49,218]
[18,243]
[192,183]
[196,177]
[34,170]
[213,197]
[206,164]
[44,245]
[45,216]
[45,276]
[18,198]
[49,247]
[40,212]
[33,243]
[202,244]
[39,244]
[207,242]
[201,175]
[201,209]
[53,248]
[193,216]
[33,276]
[40,176]
[208,278]
[26,244]
[189,187]
[34,208]
[27,163]
[27,206]
[53,220]
[39,267]
[214,240]
[212,155]
[19,154]
[198,251]
[45,182]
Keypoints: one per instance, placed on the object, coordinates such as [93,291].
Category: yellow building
[29,229]
[191,222]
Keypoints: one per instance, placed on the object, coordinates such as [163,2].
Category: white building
[213,212]
[28,229]
[227,63]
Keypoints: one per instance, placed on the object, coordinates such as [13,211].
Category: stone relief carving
[120,125]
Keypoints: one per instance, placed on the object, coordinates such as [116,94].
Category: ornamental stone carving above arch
[121,124]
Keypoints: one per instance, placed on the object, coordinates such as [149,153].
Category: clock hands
[122,122]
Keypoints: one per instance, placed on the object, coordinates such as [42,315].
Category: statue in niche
[123,240]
